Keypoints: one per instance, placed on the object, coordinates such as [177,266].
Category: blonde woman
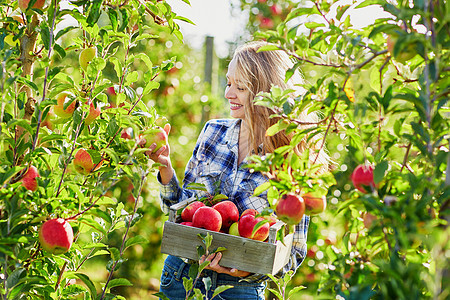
[221,149]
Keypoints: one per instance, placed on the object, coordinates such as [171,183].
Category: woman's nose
[229,93]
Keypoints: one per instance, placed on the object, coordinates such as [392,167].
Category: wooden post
[209,45]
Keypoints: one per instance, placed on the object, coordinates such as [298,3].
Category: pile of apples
[224,217]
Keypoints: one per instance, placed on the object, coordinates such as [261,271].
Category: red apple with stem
[56,236]
[247,224]
[362,178]
[29,180]
[208,218]
[229,212]
[188,212]
[290,209]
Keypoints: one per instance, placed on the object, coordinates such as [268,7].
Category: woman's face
[236,92]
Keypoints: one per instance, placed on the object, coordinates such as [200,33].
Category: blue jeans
[175,269]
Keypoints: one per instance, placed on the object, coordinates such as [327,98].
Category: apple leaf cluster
[381,89]
[74,75]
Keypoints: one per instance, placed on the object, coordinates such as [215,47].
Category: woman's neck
[244,142]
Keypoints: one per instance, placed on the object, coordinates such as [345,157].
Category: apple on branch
[29,180]
[208,218]
[86,57]
[23,4]
[83,162]
[56,236]
[62,101]
[94,112]
[290,209]
[188,212]
[362,178]
[314,203]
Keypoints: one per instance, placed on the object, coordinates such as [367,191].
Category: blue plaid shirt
[214,163]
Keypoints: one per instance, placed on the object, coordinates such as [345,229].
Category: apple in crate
[229,212]
[246,225]
[188,212]
[208,218]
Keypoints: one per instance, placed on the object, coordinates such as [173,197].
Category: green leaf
[275,128]
[150,86]
[220,289]
[262,188]
[161,295]
[94,12]
[135,241]
[296,290]
[119,282]
[268,48]
[379,171]
[87,281]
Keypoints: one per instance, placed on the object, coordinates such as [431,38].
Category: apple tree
[381,89]
[75,80]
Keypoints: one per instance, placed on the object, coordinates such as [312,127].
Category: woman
[221,149]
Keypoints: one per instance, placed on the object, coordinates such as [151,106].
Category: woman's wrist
[166,173]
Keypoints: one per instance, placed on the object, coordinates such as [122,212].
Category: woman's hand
[214,266]
[162,156]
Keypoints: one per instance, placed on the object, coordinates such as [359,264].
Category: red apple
[290,209]
[59,110]
[127,133]
[155,135]
[272,220]
[362,178]
[265,22]
[94,112]
[249,211]
[229,212]
[208,218]
[23,4]
[188,212]
[276,9]
[83,162]
[29,179]
[56,236]
[247,224]
[314,204]
[187,224]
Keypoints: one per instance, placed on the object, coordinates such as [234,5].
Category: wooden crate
[242,253]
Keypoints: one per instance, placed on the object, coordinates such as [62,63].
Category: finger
[160,150]
[167,128]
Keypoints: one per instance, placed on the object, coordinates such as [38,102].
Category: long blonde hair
[259,71]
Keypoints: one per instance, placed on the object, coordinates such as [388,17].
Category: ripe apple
[404,54]
[246,225]
[56,236]
[229,212]
[265,22]
[234,229]
[94,112]
[83,162]
[127,133]
[208,218]
[276,9]
[290,209]
[188,212]
[249,211]
[187,223]
[272,220]
[59,110]
[23,4]
[86,57]
[155,135]
[362,177]
[29,179]
[314,204]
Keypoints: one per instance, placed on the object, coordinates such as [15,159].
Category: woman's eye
[240,89]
